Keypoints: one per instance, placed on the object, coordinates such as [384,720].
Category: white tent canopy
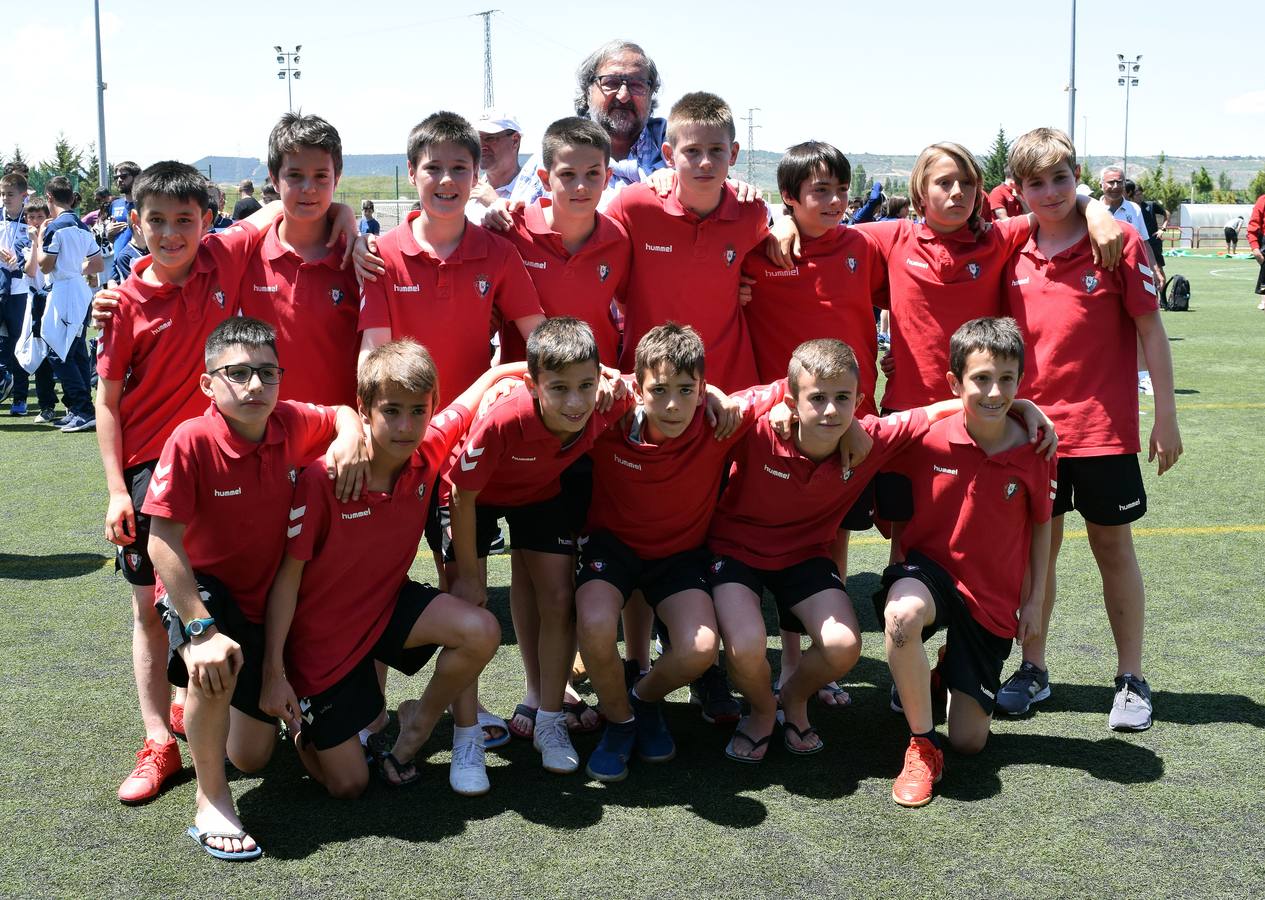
[1209,216]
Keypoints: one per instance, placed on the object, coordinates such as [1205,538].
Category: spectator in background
[1232,234]
[215,197]
[1256,240]
[1156,219]
[119,231]
[269,194]
[247,205]
[871,208]
[897,207]
[100,212]
[368,224]
[1003,201]
[499,140]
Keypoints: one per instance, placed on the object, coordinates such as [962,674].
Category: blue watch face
[198,627]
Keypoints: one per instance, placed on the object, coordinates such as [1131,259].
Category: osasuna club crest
[218,297]
[336,295]
[421,492]
[1090,281]
[852,263]
[294,475]
[603,272]
[973,268]
[1011,488]
[483,284]
[730,255]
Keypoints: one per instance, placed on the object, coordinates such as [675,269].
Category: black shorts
[546,527]
[788,586]
[133,560]
[230,622]
[860,515]
[604,557]
[1106,490]
[1157,250]
[339,712]
[434,528]
[973,656]
[893,492]
[1231,235]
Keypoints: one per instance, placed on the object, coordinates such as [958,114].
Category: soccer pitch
[1056,805]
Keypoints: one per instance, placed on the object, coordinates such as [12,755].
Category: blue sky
[201,80]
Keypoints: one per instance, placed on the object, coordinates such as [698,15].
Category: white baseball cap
[494,121]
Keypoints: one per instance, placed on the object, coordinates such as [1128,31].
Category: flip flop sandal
[578,709]
[842,697]
[527,712]
[802,735]
[731,751]
[232,856]
[388,756]
[488,720]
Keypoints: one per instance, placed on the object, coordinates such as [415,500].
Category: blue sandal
[232,856]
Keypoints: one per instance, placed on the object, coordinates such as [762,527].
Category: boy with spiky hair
[441,280]
[510,465]
[342,600]
[295,279]
[637,540]
[688,246]
[975,553]
[236,463]
[1082,323]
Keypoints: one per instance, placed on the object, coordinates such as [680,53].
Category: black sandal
[388,757]
[808,732]
[730,750]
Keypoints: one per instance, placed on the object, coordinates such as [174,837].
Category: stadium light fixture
[288,60]
[1127,79]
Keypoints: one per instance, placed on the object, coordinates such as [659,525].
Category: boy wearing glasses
[148,365]
[234,465]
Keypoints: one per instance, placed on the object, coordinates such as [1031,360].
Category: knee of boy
[842,652]
[348,785]
[249,760]
[967,744]
[486,633]
[904,612]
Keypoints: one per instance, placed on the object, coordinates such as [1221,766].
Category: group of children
[278,438]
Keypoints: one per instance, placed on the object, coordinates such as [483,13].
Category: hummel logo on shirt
[532,264]
[522,458]
[235,492]
[624,462]
[163,326]
[942,470]
[358,515]
[781,273]
[264,288]
[785,476]
[1019,282]
[406,288]
[916,264]
[659,248]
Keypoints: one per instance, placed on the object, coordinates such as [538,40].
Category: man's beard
[627,127]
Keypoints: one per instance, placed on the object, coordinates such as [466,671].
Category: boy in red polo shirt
[295,280]
[149,360]
[975,553]
[236,463]
[509,465]
[342,599]
[688,246]
[637,541]
[441,280]
[775,528]
[1081,321]
[577,257]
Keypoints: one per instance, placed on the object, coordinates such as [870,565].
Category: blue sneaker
[609,761]
[18,408]
[654,741]
[1027,686]
[79,423]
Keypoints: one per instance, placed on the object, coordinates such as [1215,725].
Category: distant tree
[1223,182]
[894,185]
[1257,187]
[1089,178]
[92,171]
[67,160]
[1161,186]
[17,156]
[1220,196]
[995,162]
[860,181]
[1201,181]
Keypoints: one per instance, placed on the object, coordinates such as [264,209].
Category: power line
[487,55]
[749,118]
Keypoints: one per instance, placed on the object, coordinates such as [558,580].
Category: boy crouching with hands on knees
[342,600]
[219,499]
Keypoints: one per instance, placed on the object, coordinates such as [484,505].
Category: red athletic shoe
[175,721]
[924,764]
[155,764]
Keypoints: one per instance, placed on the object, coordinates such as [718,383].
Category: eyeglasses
[240,373]
[610,84]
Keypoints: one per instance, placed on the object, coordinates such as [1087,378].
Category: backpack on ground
[1176,294]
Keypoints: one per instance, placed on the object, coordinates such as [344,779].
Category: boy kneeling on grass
[975,553]
[219,499]
[342,600]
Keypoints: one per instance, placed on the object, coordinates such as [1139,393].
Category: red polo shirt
[155,342]
[974,515]
[1004,197]
[659,498]
[687,269]
[511,459]
[830,293]
[1080,364]
[316,311]
[937,282]
[232,495]
[580,284]
[781,508]
[451,306]
[358,555]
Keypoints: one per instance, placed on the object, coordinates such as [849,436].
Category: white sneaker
[468,774]
[1144,385]
[1261,305]
[554,743]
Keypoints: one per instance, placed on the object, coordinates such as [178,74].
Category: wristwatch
[198,627]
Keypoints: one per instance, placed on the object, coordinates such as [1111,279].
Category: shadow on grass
[53,567]
[1181,709]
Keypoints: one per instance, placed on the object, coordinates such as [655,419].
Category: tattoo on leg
[897,635]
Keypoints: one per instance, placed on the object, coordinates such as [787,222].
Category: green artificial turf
[1056,805]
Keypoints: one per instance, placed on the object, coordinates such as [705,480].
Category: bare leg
[149,664]
[909,610]
[1123,591]
[691,621]
[526,619]
[597,605]
[1034,650]
[968,723]
[836,647]
[638,622]
[742,628]
[552,578]
[207,728]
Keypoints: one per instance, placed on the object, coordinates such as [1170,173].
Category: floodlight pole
[288,60]
[1071,84]
[749,118]
[103,168]
[487,55]
[1128,69]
